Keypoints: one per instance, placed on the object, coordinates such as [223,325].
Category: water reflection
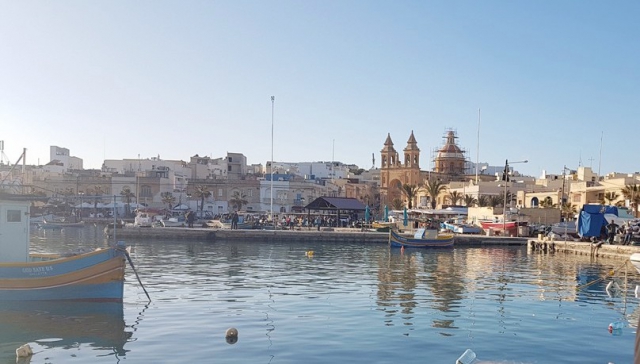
[63,325]
[281,299]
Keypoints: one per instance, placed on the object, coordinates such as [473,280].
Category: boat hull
[635,261]
[511,227]
[95,276]
[399,241]
[60,225]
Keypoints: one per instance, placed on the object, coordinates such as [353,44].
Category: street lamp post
[505,178]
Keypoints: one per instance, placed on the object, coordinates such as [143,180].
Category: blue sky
[118,79]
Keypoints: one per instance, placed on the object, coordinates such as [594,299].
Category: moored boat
[511,227]
[635,261]
[382,226]
[46,224]
[97,275]
[423,238]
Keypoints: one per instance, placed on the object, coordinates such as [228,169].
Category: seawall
[324,235]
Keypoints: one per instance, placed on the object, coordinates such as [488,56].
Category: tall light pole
[505,178]
[478,147]
[273,99]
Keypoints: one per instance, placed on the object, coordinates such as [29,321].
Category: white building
[62,157]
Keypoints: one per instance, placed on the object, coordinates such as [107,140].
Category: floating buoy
[309,253]
[231,335]
[24,351]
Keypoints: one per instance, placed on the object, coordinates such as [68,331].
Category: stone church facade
[449,163]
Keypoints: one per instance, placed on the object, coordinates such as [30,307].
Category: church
[448,165]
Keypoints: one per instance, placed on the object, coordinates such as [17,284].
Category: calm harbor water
[351,303]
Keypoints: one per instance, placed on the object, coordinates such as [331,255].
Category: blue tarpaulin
[591,219]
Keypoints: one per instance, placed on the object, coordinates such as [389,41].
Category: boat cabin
[14,230]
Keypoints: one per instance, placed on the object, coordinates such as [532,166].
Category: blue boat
[96,275]
[423,238]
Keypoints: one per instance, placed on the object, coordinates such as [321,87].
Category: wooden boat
[46,224]
[381,226]
[423,238]
[511,227]
[97,275]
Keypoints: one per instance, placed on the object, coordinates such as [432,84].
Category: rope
[610,274]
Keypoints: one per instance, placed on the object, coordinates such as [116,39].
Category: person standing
[612,230]
[234,220]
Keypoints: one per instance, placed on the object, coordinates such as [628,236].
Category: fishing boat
[46,224]
[423,238]
[459,227]
[96,275]
[382,226]
[511,227]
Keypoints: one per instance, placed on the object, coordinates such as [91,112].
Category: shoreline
[349,235]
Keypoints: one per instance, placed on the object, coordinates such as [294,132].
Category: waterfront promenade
[337,235]
[348,235]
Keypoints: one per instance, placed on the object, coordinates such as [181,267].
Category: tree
[410,192]
[470,201]
[547,202]
[397,204]
[168,198]
[569,210]
[632,193]
[127,196]
[483,201]
[238,200]
[609,197]
[202,192]
[454,197]
[495,201]
[434,188]
[96,191]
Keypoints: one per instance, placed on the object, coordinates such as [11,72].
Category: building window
[145,191]
[250,193]
[219,192]
[229,168]
[14,216]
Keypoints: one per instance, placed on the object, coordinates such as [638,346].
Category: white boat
[143,219]
[635,260]
[172,222]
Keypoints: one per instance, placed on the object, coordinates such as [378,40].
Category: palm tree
[569,210]
[609,197]
[434,188]
[202,192]
[454,197]
[410,192]
[470,201]
[127,195]
[96,191]
[547,202]
[495,200]
[238,200]
[483,201]
[168,198]
[632,193]
[397,204]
